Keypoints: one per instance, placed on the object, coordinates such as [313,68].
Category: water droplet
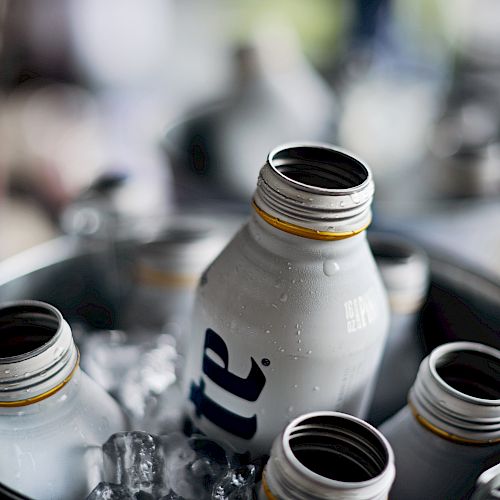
[342,203]
[27,374]
[309,199]
[28,390]
[58,351]
[282,349]
[294,281]
[295,386]
[299,349]
[275,341]
[243,307]
[330,267]
[295,358]
[299,341]
[275,306]
[284,297]
[7,372]
[355,198]
[309,351]
[290,409]
[298,332]
[297,325]
[315,388]
[265,361]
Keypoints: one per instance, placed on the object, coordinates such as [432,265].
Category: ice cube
[194,465]
[237,484]
[109,491]
[136,461]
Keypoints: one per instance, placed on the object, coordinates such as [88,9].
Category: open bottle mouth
[338,448]
[471,373]
[315,190]
[457,395]
[37,353]
[26,327]
[319,167]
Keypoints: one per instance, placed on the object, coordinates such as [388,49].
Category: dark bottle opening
[338,448]
[26,327]
[319,167]
[475,374]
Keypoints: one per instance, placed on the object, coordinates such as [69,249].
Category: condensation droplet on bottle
[355,198]
[299,341]
[268,331]
[295,358]
[58,351]
[316,388]
[309,351]
[27,374]
[275,306]
[297,325]
[7,372]
[284,297]
[295,386]
[28,389]
[282,349]
[298,332]
[294,281]
[243,307]
[290,409]
[342,203]
[330,267]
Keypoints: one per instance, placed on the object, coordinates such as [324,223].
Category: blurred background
[147,109]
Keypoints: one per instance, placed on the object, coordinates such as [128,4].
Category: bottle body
[51,449]
[429,466]
[295,324]
[53,417]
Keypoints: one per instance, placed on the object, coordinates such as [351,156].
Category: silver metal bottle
[53,417]
[450,431]
[292,316]
[328,455]
[404,268]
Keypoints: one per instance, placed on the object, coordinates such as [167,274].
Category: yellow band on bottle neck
[305,232]
[269,494]
[45,395]
[447,435]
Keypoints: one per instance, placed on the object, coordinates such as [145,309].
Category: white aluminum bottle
[53,417]
[292,316]
[328,455]
[450,431]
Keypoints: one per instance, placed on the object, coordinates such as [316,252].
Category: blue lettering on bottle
[248,388]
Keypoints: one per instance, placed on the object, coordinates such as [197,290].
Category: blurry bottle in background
[450,430]
[276,96]
[328,455]
[292,316]
[53,417]
[405,272]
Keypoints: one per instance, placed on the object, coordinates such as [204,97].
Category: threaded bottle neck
[457,395]
[38,355]
[315,191]
[323,454]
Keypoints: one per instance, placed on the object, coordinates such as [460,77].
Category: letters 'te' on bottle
[292,316]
